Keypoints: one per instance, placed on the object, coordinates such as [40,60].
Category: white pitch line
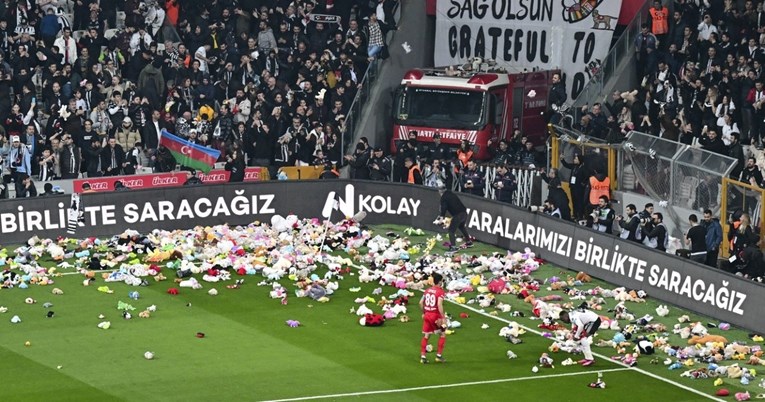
[453,385]
[648,373]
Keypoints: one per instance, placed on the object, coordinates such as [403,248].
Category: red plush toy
[172,291]
[497,285]
[372,320]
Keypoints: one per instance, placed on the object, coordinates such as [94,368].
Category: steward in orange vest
[600,185]
[415,175]
[659,18]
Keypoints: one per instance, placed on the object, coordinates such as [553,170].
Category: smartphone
[34,99]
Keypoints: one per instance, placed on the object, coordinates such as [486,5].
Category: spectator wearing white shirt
[728,128]
[201,55]
[139,40]
[724,108]
[706,28]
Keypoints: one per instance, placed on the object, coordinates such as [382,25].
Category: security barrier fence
[685,178]
[529,182]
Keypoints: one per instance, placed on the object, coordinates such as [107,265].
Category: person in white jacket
[67,47]
[584,324]
[241,107]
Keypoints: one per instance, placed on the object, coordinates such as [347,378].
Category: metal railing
[687,178]
[624,47]
[528,182]
[353,117]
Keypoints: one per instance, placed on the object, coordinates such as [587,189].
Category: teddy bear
[734,371]
[755,360]
[706,338]
[583,277]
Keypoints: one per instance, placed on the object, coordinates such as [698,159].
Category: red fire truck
[479,107]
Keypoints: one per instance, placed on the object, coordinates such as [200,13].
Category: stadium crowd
[86,86]
[700,68]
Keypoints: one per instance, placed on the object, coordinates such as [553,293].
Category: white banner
[573,35]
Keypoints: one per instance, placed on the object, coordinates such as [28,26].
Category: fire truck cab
[476,106]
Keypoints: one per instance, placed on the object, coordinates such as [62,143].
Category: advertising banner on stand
[220,176]
[573,35]
[133,182]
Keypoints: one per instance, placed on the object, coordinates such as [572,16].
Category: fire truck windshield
[441,107]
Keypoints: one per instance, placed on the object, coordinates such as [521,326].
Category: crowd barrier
[699,288]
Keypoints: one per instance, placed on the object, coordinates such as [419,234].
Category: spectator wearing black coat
[235,163]
[578,180]
[711,142]
[436,150]
[751,174]
[358,161]
[504,184]
[502,154]
[112,158]
[379,165]
[473,179]
[557,194]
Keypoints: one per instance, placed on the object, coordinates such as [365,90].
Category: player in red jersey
[433,318]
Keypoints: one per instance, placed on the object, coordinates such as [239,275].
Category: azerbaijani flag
[188,154]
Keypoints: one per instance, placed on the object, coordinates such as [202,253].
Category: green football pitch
[249,353]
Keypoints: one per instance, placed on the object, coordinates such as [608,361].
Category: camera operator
[657,237]
[630,227]
[548,208]
[645,216]
[603,216]
[504,184]
[551,209]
